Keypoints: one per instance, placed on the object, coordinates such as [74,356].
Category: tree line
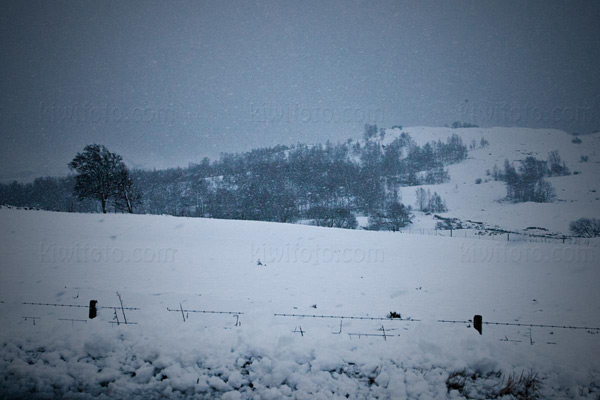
[327,183]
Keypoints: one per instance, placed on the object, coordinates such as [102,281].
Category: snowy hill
[577,195]
[159,262]
[295,183]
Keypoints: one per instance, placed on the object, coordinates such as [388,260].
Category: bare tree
[125,194]
[422,199]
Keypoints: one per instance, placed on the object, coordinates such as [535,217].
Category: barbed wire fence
[93,309]
[502,235]
[382,331]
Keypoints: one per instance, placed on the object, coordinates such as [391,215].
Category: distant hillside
[318,183]
[578,194]
[273,184]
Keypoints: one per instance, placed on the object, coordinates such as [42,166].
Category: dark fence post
[93,311]
[478,323]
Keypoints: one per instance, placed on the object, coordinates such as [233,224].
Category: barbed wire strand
[347,317]
[525,325]
[205,311]
[78,306]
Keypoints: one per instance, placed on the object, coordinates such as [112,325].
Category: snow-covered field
[159,262]
[577,195]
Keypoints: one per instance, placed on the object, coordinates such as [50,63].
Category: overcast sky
[168,83]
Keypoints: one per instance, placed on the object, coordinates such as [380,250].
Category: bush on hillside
[585,227]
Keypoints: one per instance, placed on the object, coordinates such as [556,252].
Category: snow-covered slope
[156,262]
[577,195]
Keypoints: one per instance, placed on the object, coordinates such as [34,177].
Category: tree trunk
[129,204]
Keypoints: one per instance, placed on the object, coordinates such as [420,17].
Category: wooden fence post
[93,311]
[478,323]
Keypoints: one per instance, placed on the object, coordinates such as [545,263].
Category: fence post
[478,323]
[93,311]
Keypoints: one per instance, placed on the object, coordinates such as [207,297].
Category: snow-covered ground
[159,262]
[577,195]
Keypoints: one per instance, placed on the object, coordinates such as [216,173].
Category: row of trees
[458,124]
[428,202]
[393,218]
[333,217]
[483,142]
[326,183]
